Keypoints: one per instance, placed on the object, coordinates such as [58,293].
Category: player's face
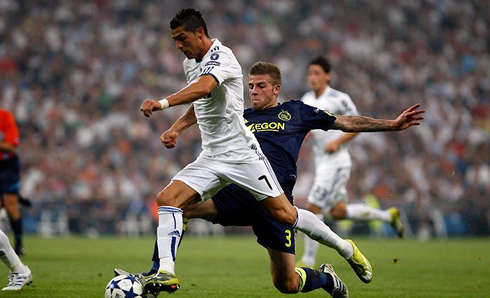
[262,92]
[188,42]
[317,77]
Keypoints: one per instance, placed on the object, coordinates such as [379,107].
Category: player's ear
[277,89]
[200,32]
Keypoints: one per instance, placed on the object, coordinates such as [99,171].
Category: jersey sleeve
[315,118]
[11,133]
[222,66]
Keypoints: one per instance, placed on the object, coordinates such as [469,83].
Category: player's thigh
[202,176]
[272,233]
[329,188]
[235,206]
[255,174]
[177,194]
[10,176]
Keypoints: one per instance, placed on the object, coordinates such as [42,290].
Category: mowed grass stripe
[239,267]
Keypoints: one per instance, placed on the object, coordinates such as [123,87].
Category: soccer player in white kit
[20,275]
[333,161]
[231,154]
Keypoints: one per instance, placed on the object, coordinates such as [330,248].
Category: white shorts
[250,170]
[329,188]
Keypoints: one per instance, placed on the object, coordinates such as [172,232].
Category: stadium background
[74,75]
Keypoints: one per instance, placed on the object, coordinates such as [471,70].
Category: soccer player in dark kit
[280,130]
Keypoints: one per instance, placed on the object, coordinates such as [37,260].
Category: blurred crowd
[74,74]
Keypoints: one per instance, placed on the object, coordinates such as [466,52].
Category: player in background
[10,175]
[280,129]
[333,161]
[20,274]
[230,154]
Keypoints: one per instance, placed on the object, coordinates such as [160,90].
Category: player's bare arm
[192,92]
[169,138]
[409,117]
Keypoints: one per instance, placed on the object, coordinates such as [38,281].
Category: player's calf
[286,286]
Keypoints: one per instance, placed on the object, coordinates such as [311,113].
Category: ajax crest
[284,115]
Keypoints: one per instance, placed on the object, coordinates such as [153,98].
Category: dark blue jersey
[281,130]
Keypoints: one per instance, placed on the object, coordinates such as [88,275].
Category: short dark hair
[261,68]
[190,19]
[322,62]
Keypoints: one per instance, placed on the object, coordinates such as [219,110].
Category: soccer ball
[124,286]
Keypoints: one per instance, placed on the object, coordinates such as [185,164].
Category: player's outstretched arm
[192,92]
[409,117]
[169,138]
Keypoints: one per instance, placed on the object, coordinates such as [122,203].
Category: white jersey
[220,113]
[338,103]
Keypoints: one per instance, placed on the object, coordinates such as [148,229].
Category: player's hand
[331,147]
[409,117]
[169,139]
[148,106]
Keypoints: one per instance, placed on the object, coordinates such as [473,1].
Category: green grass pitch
[238,267]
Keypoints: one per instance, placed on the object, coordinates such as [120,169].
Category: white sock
[311,247]
[364,212]
[8,255]
[168,236]
[317,230]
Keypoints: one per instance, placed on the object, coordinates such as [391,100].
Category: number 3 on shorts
[288,238]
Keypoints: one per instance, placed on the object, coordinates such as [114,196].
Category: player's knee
[314,208]
[166,199]
[338,212]
[285,216]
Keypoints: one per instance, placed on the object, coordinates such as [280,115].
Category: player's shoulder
[310,95]
[295,106]
[334,93]
[219,52]
[292,103]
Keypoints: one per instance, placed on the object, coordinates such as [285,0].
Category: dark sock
[155,260]
[184,227]
[313,279]
[155,265]
[155,257]
[18,231]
